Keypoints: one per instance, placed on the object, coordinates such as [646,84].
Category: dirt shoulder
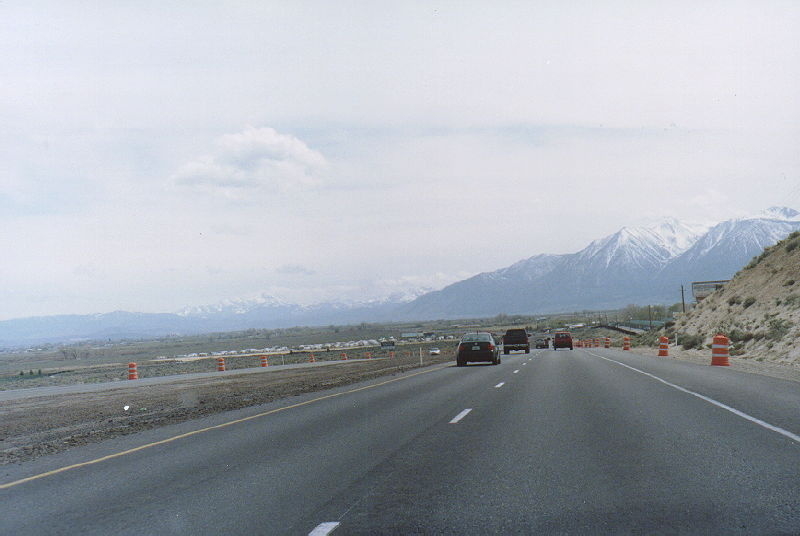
[785,371]
[43,425]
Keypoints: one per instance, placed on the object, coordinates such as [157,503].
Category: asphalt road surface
[574,442]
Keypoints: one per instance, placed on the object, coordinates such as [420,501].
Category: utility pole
[650,316]
[683,301]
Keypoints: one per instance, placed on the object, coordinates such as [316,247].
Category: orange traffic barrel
[133,374]
[311,358]
[626,343]
[719,350]
[264,361]
[608,342]
[344,356]
[391,354]
[220,364]
[663,347]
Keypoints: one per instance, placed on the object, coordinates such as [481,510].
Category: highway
[566,442]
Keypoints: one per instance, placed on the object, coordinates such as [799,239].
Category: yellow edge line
[201,430]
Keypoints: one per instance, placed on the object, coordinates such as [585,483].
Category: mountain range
[634,265]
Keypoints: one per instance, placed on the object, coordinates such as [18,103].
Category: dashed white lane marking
[525,363]
[516,371]
[460,416]
[768,426]
[499,385]
[323,529]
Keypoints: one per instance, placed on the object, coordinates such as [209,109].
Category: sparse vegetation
[778,328]
[737,336]
[757,260]
[792,300]
[691,341]
[737,350]
[748,302]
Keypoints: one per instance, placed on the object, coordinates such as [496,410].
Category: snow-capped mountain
[266,302]
[625,259]
[235,306]
[642,247]
[633,265]
[779,213]
[728,246]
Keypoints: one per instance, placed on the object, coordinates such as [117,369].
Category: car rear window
[476,337]
[562,335]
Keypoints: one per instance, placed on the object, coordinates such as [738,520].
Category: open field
[107,352]
[85,372]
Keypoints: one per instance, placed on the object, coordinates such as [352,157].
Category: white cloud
[294,269]
[254,161]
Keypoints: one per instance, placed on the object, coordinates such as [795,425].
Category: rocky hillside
[759,309]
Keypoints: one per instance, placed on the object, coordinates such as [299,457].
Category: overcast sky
[155,155]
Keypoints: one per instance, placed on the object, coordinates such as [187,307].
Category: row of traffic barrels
[720,347]
[720,350]
[133,371]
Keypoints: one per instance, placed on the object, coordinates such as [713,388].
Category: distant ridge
[633,265]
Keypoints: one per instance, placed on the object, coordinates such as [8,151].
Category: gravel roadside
[785,370]
[38,426]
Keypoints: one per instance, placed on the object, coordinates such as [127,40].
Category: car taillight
[491,346]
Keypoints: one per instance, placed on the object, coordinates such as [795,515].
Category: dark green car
[477,347]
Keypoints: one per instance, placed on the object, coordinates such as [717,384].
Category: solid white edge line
[323,529]
[499,385]
[460,416]
[764,424]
